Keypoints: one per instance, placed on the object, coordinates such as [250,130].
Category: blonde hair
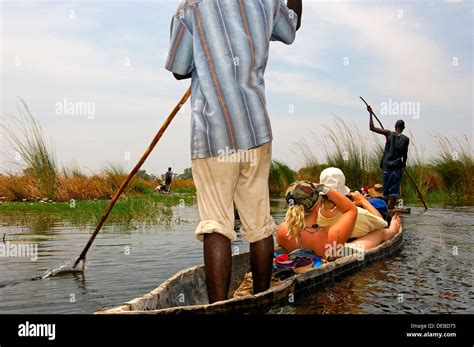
[294,220]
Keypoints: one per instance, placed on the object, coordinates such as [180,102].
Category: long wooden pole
[82,256]
[406,172]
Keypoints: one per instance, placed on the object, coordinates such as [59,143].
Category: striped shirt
[224,44]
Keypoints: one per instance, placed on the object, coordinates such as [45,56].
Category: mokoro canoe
[406,210]
[185,292]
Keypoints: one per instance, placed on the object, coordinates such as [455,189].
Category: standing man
[394,159]
[223,46]
[168,179]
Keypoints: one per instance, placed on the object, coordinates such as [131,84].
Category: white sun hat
[334,178]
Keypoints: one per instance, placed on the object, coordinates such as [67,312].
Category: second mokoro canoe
[185,292]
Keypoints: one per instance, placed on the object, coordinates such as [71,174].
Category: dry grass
[82,187]
[17,188]
[184,184]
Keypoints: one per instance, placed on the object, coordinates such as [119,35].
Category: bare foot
[394,227]
[396,222]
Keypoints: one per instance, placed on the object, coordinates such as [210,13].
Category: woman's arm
[342,229]
[359,200]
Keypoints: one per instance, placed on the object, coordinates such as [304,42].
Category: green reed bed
[147,207]
[446,178]
[280,177]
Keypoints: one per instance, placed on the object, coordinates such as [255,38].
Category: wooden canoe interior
[185,292]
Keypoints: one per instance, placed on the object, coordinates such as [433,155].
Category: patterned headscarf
[302,193]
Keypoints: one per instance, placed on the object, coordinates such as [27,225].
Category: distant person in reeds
[394,158]
[168,179]
[160,188]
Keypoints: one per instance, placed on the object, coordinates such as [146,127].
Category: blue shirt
[224,44]
[379,204]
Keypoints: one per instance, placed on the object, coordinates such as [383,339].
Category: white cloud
[410,62]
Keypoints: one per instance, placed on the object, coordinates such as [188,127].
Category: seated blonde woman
[368,218]
[301,229]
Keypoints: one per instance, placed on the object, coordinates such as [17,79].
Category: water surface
[433,271]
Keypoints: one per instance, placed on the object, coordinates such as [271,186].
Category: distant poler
[394,159]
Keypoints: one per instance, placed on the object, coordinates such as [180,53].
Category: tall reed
[25,135]
[455,164]
[343,145]
[281,176]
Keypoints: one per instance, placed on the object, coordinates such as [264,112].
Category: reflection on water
[35,223]
[432,273]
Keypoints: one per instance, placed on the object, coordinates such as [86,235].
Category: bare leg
[261,260]
[376,237]
[218,266]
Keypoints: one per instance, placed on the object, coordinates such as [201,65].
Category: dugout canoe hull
[185,292]
[404,210]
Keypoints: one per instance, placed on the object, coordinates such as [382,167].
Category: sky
[408,59]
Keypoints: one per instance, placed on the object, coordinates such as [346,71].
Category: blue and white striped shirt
[225,43]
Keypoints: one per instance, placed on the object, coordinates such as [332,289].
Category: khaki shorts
[242,179]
